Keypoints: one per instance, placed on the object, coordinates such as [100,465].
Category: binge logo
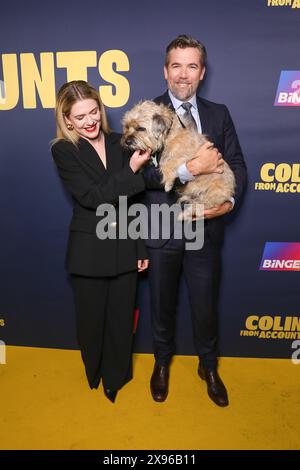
[281,257]
[288,91]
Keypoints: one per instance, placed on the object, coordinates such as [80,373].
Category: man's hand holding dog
[218,211]
[207,160]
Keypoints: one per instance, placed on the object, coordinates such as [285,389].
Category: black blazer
[91,184]
[217,125]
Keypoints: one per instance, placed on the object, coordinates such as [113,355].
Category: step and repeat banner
[119,47]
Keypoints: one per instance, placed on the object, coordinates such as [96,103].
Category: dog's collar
[156,156]
[154,159]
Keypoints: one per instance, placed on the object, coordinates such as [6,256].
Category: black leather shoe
[159,383]
[110,394]
[215,388]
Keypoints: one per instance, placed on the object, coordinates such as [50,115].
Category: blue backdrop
[251,44]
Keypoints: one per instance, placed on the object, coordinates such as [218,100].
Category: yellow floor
[46,404]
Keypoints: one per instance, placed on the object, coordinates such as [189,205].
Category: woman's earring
[70,127]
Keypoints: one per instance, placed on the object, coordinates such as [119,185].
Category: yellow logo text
[284,3]
[281,178]
[37,76]
[272,327]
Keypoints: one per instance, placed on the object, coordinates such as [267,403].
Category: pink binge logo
[288,91]
[281,257]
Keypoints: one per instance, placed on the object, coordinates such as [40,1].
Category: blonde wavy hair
[67,95]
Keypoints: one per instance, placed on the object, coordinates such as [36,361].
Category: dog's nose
[129,141]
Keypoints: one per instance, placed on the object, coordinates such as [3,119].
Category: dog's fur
[149,125]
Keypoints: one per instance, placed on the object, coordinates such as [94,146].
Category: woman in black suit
[95,171]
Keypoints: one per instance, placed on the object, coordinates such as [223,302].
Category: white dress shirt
[182,172]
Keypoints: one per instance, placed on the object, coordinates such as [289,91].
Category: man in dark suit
[184,70]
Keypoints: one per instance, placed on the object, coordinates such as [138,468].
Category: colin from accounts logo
[284,3]
[288,91]
[281,257]
[279,177]
[270,327]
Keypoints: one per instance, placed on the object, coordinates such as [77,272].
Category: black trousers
[105,313]
[201,269]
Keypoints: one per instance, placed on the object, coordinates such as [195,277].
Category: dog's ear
[159,125]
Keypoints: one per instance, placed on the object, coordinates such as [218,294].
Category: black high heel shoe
[110,394]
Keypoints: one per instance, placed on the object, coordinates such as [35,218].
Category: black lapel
[204,117]
[89,156]
[114,157]
[165,99]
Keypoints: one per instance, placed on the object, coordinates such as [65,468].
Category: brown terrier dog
[149,125]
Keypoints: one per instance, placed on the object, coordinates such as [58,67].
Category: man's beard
[183,94]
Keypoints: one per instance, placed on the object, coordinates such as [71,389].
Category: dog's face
[146,126]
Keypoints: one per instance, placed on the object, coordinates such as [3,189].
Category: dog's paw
[180,217]
[168,187]
[185,215]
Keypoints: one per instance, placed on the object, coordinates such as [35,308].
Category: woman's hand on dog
[138,159]
[207,160]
